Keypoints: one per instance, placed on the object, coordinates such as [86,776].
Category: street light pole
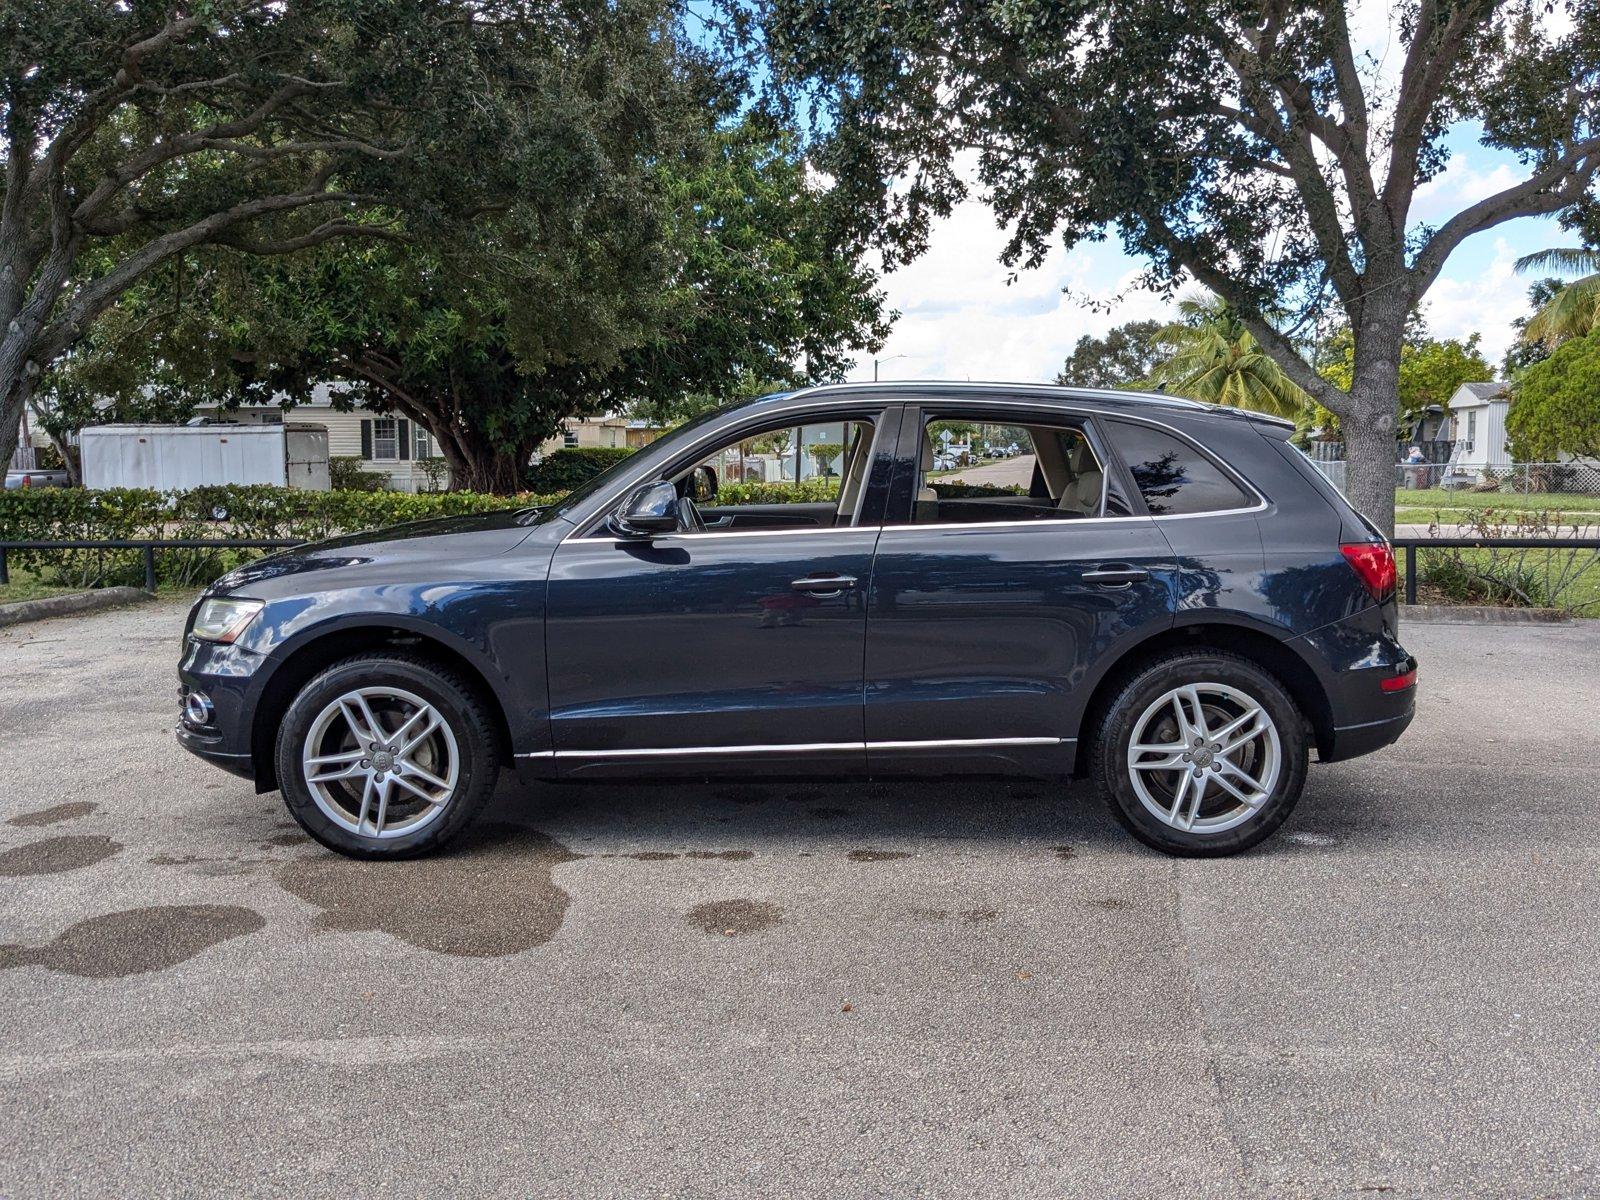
[876,361]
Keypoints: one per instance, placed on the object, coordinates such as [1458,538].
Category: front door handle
[1116,575]
[824,585]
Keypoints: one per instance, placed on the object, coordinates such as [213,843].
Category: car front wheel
[386,756]
[1202,753]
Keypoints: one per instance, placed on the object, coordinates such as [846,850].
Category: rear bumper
[1352,741]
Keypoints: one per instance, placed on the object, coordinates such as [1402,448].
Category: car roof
[1106,398]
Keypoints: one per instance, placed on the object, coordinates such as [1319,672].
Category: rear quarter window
[1174,478]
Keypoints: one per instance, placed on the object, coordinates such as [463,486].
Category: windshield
[662,448]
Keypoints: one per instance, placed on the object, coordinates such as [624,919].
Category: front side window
[385,438]
[974,471]
[1173,477]
[823,464]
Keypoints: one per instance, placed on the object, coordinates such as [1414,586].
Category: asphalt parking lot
[802,989]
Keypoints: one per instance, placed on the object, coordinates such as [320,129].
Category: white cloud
[960,319]
[1485,300]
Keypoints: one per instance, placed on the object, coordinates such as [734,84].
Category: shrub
[573,467]
[253,511]
[779,491]
[345,475]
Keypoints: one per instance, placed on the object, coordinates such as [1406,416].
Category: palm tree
[1572,311]
[1210,356]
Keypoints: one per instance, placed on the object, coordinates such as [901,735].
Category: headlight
[223,619]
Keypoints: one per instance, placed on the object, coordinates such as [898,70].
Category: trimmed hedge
[573,467]
[224,511]
[250,511]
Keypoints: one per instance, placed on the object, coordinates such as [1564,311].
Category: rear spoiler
[1267,425]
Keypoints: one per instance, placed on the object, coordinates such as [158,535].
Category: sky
[959,319]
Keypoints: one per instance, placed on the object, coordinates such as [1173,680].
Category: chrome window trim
[798,748]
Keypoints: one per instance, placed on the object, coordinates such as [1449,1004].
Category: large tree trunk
[476,466]
[1368,417]
[15,388]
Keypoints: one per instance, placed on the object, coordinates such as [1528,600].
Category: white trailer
[177,457]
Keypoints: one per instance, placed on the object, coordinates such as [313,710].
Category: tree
[1254,149]
[1553,408]
[1569,310]
[1209,355]
[1524,352]
[135,133]
[715,274]
[1430,369]
[824,453]
[1123,358]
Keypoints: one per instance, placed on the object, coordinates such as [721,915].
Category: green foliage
[1555,407]
[218,512]
[573,466]
[1123,358]
[1431,369]
[1209,355]
[1566,311]
[824,453]
[655,282]
[149,142]
[345,475]
[781,491]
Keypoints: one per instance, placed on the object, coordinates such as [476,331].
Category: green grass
[1437,498]
[25,585]
[1580,595]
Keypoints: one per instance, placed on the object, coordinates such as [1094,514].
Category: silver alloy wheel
[1204,758]
[381,762]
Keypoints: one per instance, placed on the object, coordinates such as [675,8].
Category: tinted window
[1173,476]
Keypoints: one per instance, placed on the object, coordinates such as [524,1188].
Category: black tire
[1112,775]
[459,703]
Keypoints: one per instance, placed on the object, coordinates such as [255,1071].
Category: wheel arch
[1267,650]
[320,648]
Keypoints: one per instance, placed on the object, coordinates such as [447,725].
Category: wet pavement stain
[55,815]
[878,855]
[931,914]
[284,840]
[492,894]
[829,814]
[731,918]
[1064,853]
[980,914]
[724,855]
[54,855]
[136,941]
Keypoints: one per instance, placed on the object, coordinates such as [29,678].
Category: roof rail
[942,385]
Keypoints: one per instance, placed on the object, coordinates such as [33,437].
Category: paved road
[969,989]
[1016,471]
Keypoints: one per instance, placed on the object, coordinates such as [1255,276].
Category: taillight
[1399,683]
[1374,562]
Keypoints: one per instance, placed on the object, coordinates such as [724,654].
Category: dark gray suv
[981,578]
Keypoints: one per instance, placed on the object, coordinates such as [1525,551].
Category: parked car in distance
[1177,606]
[33,479]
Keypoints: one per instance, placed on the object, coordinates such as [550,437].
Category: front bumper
[209,746]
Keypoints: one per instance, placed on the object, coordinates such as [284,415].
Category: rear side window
[1173,477]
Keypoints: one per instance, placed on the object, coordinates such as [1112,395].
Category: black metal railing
[1411,545]
[149,546]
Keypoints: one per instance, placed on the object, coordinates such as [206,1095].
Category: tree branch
[1557,186]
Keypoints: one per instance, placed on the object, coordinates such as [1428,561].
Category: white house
[397,448]
[1478,416]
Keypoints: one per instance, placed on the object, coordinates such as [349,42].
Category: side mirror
[650,510]
[702,483]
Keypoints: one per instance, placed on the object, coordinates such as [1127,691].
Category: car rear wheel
[1202,753]
[386,756]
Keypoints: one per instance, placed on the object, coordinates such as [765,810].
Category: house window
[1472,428]
[385,438]
[423,443]
[569,439]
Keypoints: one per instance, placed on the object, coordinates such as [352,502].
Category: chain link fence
[1551,481]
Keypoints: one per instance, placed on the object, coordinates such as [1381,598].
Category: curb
[1473,614]
[74,602]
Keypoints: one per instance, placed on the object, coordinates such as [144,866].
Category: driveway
[1006,472]
[807,988]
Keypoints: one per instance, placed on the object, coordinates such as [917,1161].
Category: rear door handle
[824,585]
[1116,575]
